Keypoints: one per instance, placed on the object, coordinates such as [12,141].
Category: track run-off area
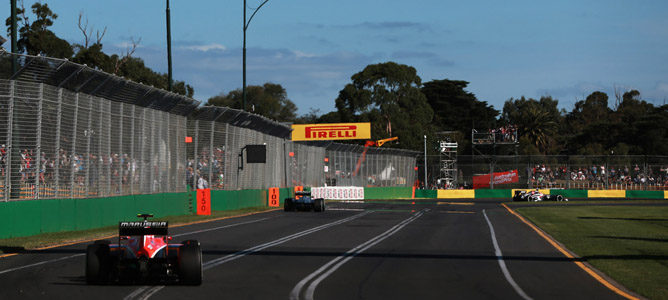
[369,250]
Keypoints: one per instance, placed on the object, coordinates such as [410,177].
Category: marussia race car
[536,196]
[303,201]
[143,254]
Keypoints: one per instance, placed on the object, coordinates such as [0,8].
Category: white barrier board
[338,192]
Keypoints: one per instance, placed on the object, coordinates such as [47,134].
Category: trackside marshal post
[332,131]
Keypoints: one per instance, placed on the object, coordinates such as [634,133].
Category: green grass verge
[582,201]
[18,244]
[628,243]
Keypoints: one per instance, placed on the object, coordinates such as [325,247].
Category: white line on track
[82,254]
[329,268]
[41,263]
[220,227]
[147,291]
[502,263]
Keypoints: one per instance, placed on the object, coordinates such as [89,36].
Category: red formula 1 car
[142,255]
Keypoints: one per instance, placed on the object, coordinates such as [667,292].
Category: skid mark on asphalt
[147,291]
[329,268]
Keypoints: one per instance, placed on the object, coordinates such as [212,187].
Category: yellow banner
[332,131]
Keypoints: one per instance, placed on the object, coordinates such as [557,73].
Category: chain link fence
[220,134]
[70,131]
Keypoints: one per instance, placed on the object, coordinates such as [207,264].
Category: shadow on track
[622,219]
[439,256]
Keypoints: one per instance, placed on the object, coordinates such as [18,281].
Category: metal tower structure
[447,153]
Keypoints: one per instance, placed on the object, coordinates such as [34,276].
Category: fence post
[226,151]
[59,115]
[9,150]
[121,161]
[38,159]
[110,159]
[133,159]
[89,136]
[196,161]
[142,144]
[211,153]
[74,142]
[151,153]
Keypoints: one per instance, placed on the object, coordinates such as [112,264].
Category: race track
[380,250]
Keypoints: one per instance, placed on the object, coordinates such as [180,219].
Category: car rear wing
[143,228]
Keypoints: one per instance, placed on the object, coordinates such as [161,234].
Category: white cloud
[205,48]
[662,87]
[300,54]
[125,45]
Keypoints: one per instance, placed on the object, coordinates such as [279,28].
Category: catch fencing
[70,131]
[217,156]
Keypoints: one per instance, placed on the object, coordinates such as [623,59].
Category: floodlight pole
[15,48]
[169,49]
[425,162]
[246,23]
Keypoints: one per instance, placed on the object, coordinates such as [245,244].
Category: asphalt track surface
[380,250]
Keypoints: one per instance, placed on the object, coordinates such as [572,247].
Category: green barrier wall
[428,194]
[376,193]
[570,193]
[30,217]
[231,200]
[479,194]
[645,194]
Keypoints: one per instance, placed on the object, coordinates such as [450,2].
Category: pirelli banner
[332,131]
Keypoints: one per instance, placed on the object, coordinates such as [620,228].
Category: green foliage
[388,95]
[270,100]
[35,38]
[456,109]
[536,120]
[635,127]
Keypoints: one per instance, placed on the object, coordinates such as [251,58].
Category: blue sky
[566,49]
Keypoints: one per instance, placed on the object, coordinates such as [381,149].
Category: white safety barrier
[338,192]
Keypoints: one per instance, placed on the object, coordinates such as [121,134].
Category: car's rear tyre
[97,263]
[319,205]
[190,263]
[560,198]
[287,204]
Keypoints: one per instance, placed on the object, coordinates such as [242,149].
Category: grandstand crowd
[626,176]
[503,134]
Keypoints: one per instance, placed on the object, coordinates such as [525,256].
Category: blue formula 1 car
[304,201]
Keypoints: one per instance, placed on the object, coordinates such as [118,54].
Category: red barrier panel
[273,197]
[204,202]
[482,181]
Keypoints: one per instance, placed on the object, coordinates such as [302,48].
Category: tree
[35,38]
[537,122]
[457,109]
[387,95]
[591,127]
[270,100]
